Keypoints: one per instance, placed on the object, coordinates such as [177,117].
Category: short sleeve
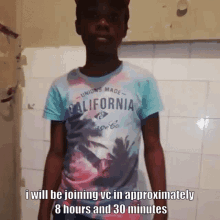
[150,97]
[54,108]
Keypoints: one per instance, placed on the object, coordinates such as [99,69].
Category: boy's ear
[78,27]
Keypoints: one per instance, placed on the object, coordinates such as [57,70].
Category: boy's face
[102,27]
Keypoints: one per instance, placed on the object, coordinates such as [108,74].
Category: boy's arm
[53,167]
[154,159]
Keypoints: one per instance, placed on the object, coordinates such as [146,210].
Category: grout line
[200,153]
[25,168]
[181,152]
[30,139]
[189,80]
[187,187]
[185,117]
[164,148]
[202,147]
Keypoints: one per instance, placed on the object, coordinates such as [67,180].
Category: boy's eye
[114,17]
[94,15]
[91,15]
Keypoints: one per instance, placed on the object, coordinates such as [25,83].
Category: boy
[106,105]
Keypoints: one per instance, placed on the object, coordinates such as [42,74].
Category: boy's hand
[160,217]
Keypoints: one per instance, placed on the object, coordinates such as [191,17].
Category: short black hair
[119,4]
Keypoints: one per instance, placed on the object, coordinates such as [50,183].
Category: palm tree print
[122,165]
[111,171]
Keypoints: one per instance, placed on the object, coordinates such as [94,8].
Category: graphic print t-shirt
[103,118]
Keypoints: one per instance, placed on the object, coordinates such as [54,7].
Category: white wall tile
[140,55]
[47,127]
[210,178]
[32,125]
[29,53]
[24,96]
[136,51]
[42,62]
[204,62]
[184,135]
[182,209]
[46,148]
[29,208]
[145,63]
[163,131]
[36,92]
[182,169]
[188,99]
[164,89]
[212,138]
[208,205]
[183,98]
[213,107]
[171,61]
[33,179]
[204,69]
[70,58]
[45,62]
[33,155]
[33,182]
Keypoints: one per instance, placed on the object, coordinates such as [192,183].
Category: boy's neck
[100,64]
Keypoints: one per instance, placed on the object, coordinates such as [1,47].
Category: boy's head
[102,24]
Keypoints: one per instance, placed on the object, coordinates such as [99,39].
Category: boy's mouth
[102,39]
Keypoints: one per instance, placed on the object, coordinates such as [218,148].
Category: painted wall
[7,166]
[9,120]
[169,20]
[189,82]
[10,128]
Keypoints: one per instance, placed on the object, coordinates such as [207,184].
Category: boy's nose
[103,23]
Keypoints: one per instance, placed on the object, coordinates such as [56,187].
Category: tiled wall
[189,81]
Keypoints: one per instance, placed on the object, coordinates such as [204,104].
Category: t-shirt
[103,118]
